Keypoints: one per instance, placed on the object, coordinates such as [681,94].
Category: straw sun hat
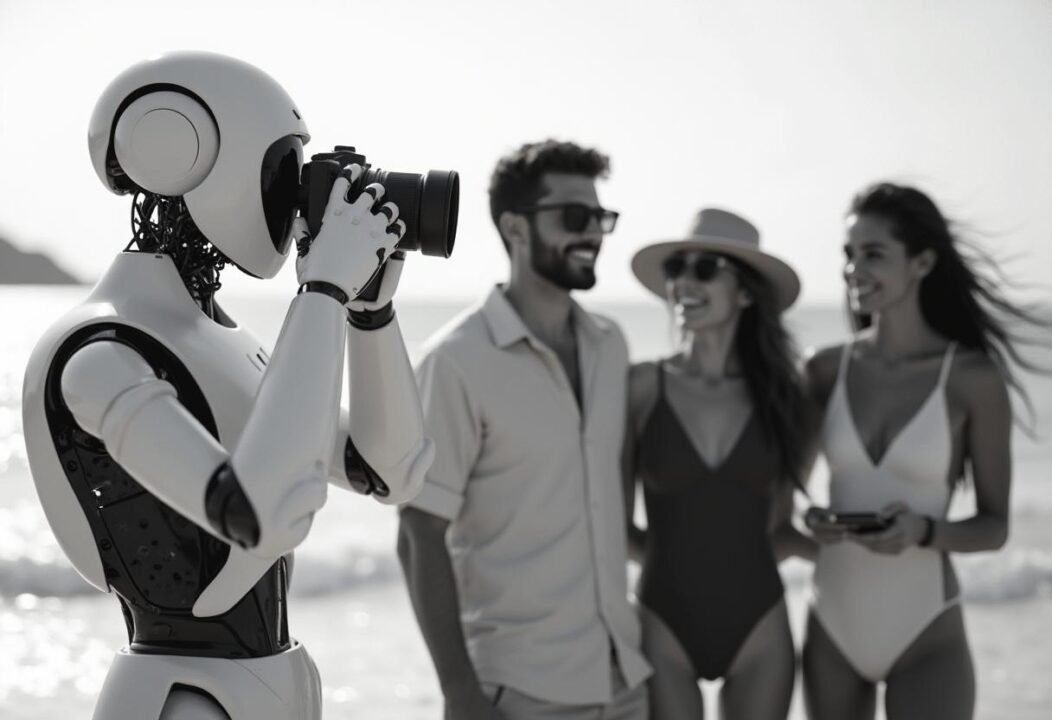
[723,232]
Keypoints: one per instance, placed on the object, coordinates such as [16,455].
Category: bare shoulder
[820,370]
[977,380]
[642,387]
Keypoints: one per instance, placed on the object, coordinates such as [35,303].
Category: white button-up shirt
[532,489]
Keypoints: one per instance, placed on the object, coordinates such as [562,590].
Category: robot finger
[390,210]
[351,173]
[301,235]
[397,228]
[371,194]
[395,263]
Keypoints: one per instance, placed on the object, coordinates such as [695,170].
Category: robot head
[218,132]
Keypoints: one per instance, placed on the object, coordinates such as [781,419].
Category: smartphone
[855,522]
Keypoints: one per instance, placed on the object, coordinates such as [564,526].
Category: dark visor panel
[279,182]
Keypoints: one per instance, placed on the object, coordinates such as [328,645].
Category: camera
[427,204]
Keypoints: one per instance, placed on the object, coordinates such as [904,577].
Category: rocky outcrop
[26,268]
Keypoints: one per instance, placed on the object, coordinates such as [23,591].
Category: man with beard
[514,552]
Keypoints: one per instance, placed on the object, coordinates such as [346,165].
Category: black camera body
[427,204]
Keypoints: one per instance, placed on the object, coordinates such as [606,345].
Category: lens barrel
[427,204]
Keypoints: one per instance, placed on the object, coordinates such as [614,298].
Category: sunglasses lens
[706,268]
[674,267]
[576,217]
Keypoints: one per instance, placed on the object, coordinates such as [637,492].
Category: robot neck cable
[163,225]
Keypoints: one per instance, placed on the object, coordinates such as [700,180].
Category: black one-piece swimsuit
[709,571]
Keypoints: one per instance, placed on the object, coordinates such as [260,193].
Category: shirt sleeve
[451,420]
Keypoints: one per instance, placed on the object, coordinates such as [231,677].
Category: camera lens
[427,204]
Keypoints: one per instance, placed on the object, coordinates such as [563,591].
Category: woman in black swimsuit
[717,435]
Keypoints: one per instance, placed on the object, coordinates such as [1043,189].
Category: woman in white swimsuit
[916,399]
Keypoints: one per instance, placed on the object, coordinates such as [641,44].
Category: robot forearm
[385,423]
[283,455]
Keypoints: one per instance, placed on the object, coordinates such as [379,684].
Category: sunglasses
[577,216]
[704,267]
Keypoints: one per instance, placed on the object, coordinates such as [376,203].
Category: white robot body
[246,113]
[177,461]
[285,686]
[144,292]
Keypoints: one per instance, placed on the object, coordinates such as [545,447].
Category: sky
[777,110]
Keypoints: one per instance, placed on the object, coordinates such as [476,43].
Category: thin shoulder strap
[845,358]
[661,378]
[947,363]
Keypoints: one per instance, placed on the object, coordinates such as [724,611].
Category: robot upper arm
[105,384]
[115,395]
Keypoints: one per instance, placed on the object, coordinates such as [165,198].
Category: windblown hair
[958,300]
[163,225]
[516,181]
[770,363]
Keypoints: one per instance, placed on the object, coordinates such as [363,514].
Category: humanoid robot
[178,461]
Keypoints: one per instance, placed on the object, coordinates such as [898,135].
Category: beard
[556,266]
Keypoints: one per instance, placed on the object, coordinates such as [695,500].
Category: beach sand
[374,664]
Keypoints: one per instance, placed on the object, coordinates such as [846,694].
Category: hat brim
[647,265]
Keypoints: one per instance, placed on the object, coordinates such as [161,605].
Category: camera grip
[321,176]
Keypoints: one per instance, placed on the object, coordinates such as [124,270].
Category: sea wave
[312,575]
[1008,576]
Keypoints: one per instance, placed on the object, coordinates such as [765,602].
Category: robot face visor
[279,180]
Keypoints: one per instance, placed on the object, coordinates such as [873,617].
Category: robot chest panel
[228,365]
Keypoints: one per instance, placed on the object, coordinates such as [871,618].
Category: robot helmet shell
[206,127]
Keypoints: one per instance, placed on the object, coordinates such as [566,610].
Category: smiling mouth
[860,292]
[583,252]
[692,303]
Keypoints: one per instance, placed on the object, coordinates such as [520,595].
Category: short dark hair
[516,181]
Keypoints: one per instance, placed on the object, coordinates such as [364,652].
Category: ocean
[349,605]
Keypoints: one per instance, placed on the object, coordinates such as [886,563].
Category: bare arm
[987,437]
[819,374]
[432,590]
[641,392]
[636,535]
[786,539]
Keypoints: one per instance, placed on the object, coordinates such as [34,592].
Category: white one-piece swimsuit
[874,606]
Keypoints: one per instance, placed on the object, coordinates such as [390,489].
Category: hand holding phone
[858,523]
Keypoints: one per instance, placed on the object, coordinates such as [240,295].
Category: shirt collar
[508,328]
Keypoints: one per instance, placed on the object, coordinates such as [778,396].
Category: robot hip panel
[285,686]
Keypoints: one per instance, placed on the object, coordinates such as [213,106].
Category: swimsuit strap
[661,379]
[947,362]
[845,358]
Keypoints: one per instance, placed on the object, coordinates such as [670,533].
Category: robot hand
[355,239]
[374,314]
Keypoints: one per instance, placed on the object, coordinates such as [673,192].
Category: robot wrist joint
[371,319]
[228,509]
[325,288]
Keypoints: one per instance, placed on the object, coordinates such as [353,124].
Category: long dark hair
[957,300]
[769,362]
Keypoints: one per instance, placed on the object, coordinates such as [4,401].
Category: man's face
[564,257]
